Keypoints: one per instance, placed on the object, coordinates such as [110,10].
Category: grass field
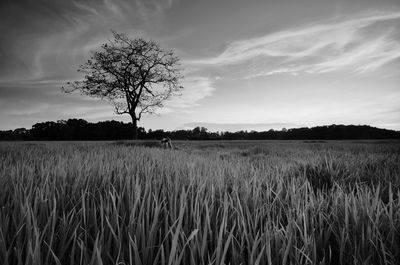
[262,202]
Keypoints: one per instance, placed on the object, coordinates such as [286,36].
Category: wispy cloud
[358,45]
[240,126]
[196,88]
[35,51]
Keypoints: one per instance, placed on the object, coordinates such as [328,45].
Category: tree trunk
[134,126]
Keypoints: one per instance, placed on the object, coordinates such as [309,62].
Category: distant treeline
[78,129]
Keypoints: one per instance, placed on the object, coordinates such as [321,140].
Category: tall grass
[291,203]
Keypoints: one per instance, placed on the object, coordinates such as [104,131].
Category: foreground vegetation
[205,203]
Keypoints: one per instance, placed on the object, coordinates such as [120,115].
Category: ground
[213,202]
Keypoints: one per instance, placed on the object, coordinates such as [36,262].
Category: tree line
[79,129]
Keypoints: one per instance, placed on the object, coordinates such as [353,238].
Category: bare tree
[135,75]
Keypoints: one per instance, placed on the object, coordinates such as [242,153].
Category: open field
[262,202]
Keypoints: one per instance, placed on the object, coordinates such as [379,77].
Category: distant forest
[78,129]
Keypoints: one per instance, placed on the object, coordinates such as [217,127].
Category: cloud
[359,45]
[22,105]
[195,89]
[240,126]
[48,41]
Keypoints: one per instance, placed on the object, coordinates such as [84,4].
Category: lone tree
[135,75]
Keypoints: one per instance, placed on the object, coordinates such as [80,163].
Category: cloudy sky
[254,65]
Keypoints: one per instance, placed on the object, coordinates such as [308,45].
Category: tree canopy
[135,75]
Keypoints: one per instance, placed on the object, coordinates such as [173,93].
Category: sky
[248,65]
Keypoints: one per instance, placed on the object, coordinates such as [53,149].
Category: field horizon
[79,129]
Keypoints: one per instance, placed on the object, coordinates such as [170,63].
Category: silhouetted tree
[136,75]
